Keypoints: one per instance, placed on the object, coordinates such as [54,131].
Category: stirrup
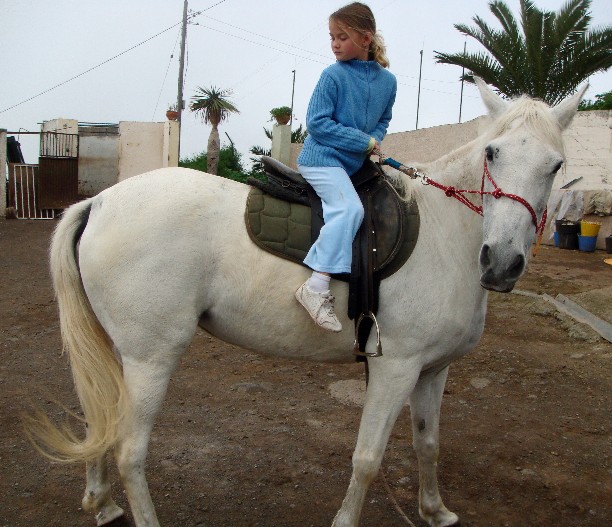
[356,350]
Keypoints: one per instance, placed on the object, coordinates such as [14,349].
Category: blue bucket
[587,243]
[556,237]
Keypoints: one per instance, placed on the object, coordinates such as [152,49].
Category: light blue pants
[342,214]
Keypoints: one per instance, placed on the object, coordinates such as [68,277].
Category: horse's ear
[564,111]
[494,103]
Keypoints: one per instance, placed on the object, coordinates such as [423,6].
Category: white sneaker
[320,307]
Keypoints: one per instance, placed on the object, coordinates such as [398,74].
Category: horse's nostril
[485,258]
[517,266]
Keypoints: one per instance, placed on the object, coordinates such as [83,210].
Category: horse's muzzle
[500,272]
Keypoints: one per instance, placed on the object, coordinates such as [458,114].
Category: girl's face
[348,44]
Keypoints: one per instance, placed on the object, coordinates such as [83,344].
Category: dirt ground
[245,440]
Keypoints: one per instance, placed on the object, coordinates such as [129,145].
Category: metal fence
[24,193]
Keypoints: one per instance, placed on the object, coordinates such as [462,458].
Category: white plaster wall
[428,144]
[141,148]
[98,162]
[146,146]
[588,152]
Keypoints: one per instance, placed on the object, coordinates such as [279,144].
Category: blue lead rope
[392,163]
[384,160]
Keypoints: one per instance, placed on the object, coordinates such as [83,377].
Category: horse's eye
[557,167]
[489,153]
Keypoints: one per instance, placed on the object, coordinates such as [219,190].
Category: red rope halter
[497,193]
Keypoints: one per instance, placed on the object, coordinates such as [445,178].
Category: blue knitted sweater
[351,103]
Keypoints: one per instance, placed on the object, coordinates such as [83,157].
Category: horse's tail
[96,371]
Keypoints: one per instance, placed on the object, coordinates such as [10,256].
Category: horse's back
[153,192]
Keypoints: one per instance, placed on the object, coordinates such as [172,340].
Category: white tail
[96,371]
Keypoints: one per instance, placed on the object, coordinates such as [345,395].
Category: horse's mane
[535,115]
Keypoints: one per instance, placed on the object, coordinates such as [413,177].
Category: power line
[166,75]
[106,61]
[269,47]
[260,36]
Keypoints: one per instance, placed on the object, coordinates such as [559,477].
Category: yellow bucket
[589,228]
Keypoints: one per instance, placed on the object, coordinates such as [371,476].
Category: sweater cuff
[371,145]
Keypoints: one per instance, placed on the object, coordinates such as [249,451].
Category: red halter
[497,193]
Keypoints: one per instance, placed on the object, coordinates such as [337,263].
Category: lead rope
[389,490]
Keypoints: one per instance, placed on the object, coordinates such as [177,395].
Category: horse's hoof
[122,521]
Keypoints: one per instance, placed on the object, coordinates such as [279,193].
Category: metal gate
[24,193]
[58,169]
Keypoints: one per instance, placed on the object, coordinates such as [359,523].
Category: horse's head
[522,153]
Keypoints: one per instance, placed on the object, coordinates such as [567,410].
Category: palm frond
[544,54]
[212,104]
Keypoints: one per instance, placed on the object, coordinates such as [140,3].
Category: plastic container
[609,244]
[587,243]
[589,228]
[567,233]
[556,238]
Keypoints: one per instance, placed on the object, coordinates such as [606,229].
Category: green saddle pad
[284,229]
[278,226]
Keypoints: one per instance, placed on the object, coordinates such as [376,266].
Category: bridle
[460,194]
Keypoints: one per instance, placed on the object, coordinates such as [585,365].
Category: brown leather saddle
[284,216]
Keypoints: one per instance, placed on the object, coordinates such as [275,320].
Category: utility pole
[179,99]
[419,94]
[292,92]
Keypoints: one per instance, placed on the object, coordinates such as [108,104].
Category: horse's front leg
[391,381]
[425,403]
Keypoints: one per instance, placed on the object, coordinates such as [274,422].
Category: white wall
[98,160]
[146,146]
[588,146]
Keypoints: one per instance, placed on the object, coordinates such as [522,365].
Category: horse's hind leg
[146,381]
[425,403]
[97,497]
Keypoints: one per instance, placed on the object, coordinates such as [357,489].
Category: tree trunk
[212,153]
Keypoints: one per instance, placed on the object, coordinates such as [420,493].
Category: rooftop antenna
[462,74]
[419,93]
[292,93]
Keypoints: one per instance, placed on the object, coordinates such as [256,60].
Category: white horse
[134,280]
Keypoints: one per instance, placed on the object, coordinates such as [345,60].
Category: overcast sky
[251,47]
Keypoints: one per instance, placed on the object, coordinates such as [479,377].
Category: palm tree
[213,106]
[548,59]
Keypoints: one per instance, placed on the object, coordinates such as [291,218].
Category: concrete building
[105,153]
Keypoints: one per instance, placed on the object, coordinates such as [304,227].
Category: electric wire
[107,60]
[166,75]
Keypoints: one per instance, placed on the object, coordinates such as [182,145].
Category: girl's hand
[373,146]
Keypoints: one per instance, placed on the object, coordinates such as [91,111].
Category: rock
[479,382]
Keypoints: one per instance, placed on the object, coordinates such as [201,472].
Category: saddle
[284,216]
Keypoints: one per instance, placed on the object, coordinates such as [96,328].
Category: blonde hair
[359,17]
